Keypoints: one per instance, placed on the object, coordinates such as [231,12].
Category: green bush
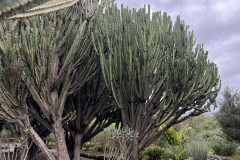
[162,142]
[222,147]
[155,153]
[197,150]
[177,141]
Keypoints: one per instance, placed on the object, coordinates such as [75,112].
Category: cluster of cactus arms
[49,70]
[26,8]
[153,71]
[14,90]
[11,7]
[95,110]
[50,6]
[47,58]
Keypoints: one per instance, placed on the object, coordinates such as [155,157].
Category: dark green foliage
[229,114]
[222,146]
[155,153]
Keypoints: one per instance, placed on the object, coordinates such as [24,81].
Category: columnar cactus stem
[49,58]
[153,71]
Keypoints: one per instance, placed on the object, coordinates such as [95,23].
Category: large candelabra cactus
[48,57]
[153,71]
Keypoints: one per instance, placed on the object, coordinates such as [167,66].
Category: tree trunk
[69,141]
[33,151]
[134,151]
[39,142]
[77,146]
[60,141]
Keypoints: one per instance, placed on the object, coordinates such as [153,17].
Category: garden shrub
[100,141]
[178,153]
[117,144]
[162,142]
[155,153]
[197,150]
[176,141]
[222,147]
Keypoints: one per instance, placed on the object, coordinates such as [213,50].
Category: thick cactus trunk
[77,146]
[39,142]
[134,154]
[60,141]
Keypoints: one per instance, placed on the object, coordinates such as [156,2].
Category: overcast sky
[216,24]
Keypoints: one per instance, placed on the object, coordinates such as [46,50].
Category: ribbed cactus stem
[50,6]
[152,70]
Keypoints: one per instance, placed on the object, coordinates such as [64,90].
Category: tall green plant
[155,153]
[153,71]
[222,146]
[229,114]
[48,58]
[198,150]
[177,142]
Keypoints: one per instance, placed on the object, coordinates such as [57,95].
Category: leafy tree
[154,73]
[229,114]
[222,146]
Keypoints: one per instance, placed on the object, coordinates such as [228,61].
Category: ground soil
[211,157]
[42,157]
